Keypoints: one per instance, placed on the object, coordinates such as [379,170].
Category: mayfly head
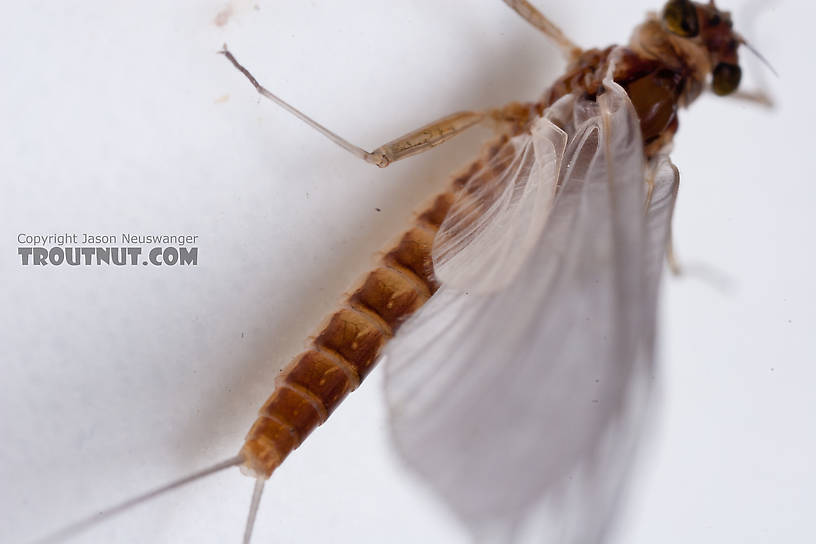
[696,39]
[712,31]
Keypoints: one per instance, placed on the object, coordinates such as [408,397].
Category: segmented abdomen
[344,352]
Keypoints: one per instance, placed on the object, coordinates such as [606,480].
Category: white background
[114,380]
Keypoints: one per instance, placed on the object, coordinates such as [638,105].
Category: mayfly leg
[758,97]
[417,141]
[536,18]
[437,132]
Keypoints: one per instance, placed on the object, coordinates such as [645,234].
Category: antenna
[758,55]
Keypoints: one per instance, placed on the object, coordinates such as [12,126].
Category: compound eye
[726,78]
[680,17]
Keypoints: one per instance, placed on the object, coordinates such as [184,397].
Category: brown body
[666,66]
[660,71]
[344,352]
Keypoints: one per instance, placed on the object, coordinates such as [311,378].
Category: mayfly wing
[520,407]
[500,211]
[665,180]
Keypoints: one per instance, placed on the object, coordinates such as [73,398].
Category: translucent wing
[498,215]
[520,406]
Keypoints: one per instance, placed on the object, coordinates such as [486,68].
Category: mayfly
[517,315]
